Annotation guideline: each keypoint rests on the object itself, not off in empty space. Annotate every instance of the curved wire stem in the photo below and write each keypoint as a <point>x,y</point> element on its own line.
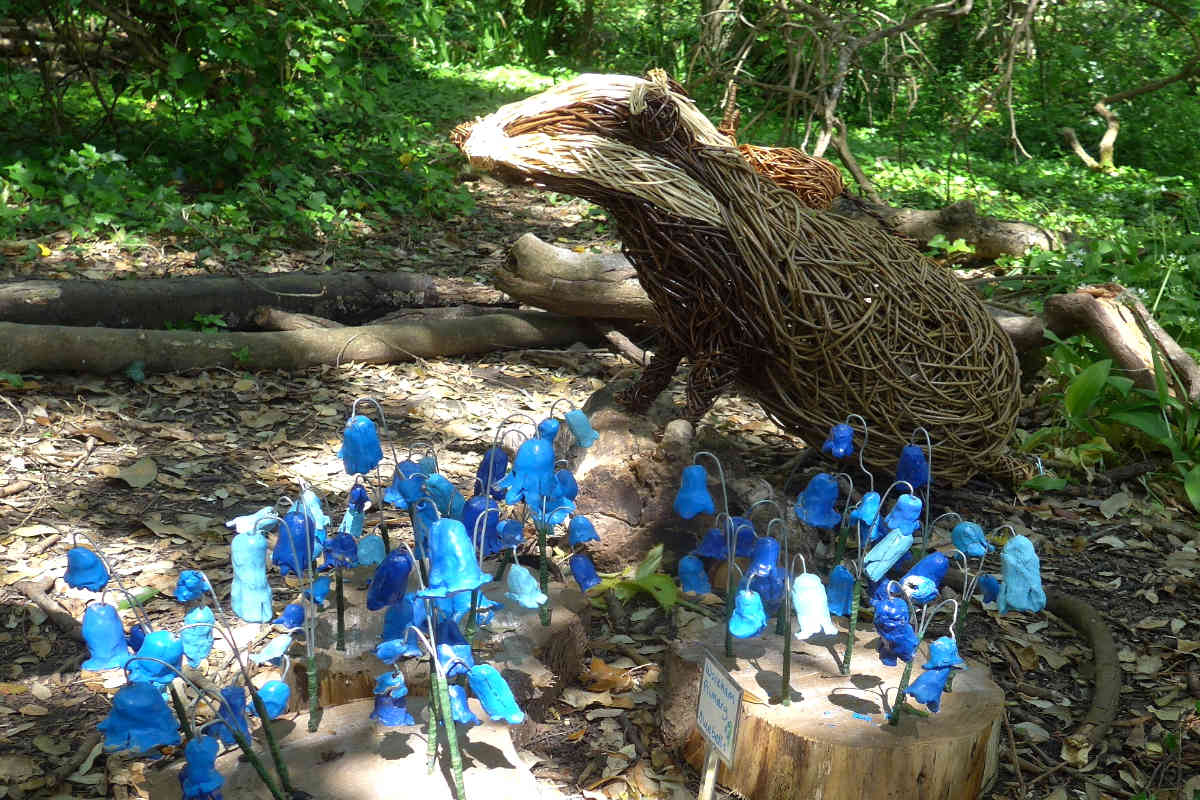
<point>866,440</point>
<point>926,533</point>
<point>134,604</point>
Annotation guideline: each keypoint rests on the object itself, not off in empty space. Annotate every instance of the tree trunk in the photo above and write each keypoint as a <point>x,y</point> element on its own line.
<point>349,296</point>
<point>54,348</point>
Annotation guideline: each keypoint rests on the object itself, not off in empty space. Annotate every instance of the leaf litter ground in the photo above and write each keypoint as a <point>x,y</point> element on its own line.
<point>151,470</point>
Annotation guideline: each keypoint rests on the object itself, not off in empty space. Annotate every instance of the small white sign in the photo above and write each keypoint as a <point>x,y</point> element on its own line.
<point>719,708</point>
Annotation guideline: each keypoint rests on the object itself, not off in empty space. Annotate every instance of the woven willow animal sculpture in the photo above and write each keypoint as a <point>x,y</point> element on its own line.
<point>814,315</point>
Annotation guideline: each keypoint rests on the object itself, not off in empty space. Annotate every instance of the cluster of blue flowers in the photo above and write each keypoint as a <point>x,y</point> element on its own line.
<point>902,587</point>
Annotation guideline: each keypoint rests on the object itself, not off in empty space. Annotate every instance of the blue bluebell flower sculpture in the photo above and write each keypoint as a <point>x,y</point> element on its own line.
<point>360,451</point>
<point>452,567</point>
<point>85,570</point>
<point>811,605</point>
<point>581,427</point>
<point>692,575</point>
<point>943,659</point>
<point>840,442</point>
<point>912,468</point>
<point>390,581</point>
<point>196,638</point>
<point>580,531</point>
<point>494,694</point>
<point>160,645</point>
<point>840,590</point>
<point>971,540</point>
<point>105,638</point>
<point>749,618</point>
<point>584,571</point>
<point>523,588</point>
<point>190,585</point>
<point>815,505</point>
<point>693,497</point>
<point>1021,589</point>
<point>139,720</point>
<point>390,701</point>
<point>896,634</point>
<point>199,779</point>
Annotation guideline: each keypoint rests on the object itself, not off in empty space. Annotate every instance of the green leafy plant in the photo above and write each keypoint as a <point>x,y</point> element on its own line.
<point>644,578</point>
<point>1103,414</point>
<point>204,323</point>
<point>241,355</point>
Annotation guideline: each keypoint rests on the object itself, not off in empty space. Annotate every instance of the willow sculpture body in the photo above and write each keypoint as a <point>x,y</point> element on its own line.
<point>814,315</point>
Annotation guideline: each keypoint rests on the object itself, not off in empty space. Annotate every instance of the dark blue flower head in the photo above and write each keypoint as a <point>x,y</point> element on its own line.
<point>454,651</point>
<point>581,530</point>
<point>341,551</point>
<point>912,467</point>
<point>491,470</point>
<point>390,580</point>
<point>232,714</point>
<point>840,442</point>
<point>199,778</point>
<point>815,505</point>
<point>509,533</point>
<point>548,429</point>
<point>296,545</point>
<point>292,616</point>
<point>532,476</point>
<point>360,451</point>
<point>693,497</point>
<point>584,571</point>
<point>358,497</point>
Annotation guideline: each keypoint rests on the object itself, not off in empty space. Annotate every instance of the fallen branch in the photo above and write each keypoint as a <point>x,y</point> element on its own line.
<point>606,287</point>
<point>346,296</point>
<point>54,348</point>
<point>1119,321</point>
<point>36,593</point>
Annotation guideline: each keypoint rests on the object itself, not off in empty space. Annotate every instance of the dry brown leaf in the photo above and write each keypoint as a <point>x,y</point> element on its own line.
<point>33,710</point>
<point>12,688</point>
<point>103,434</point>
<point>51,745</point>
<point>600,677</point>
<point>138,475</point>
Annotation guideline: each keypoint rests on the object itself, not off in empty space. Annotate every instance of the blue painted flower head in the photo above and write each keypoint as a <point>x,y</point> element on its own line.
<point>360,451</point>
<point>532,475</point>
<point>866,514</point>
<point>840,590</point>
<point>390,580</point>
<point>581,426</point>
<point>232,714</point>
<point>139,720</point>
<point>693,497</point>
<point>584,571</point>
<point>749,617</point>
<point>105,637</point>
<point>190,585</point>
<point>162,646</point>
<point>815,505</point>
<point>840,442</point>
<point>548,429</point>
<point>905,515</point>
<point>1021,588</point>
<point>199,779</point>
<point>811,605</point>
<point>912,467</point>
<point>358,497</point>
<point>296,545</point>
<point>341,551</point>
<point>452,565</point>
<point>764,556</point>
<point>970,538</point>
<point>692,575</point>
<point>491,470</point>
<point>494,694</point>
<point>480,516</point>
<point>581,530</point>
<point>85,570</point>
<point>523,588</point>
<point>509,533</point>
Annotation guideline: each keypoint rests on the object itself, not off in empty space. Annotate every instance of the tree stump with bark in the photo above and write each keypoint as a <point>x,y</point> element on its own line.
<point>834,739</point>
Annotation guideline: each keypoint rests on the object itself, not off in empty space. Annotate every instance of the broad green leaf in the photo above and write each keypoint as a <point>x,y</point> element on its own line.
<point>1085,388</point>
<point>651,563</point>
<point>1150,423</point>
<point>1121,384</point>
<point>1191,485</point>
<point>1045,483</point>
<point>662,587</point>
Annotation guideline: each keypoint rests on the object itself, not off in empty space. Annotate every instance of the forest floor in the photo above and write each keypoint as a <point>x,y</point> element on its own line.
<point>151,469</point>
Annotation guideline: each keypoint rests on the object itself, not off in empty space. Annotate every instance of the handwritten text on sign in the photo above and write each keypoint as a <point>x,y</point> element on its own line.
<point>718,709</point>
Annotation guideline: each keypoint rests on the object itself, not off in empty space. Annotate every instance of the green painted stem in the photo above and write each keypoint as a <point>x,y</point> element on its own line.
<point>840,550</point>
<point>851,627</point>
<point>181,712</point>
<point>786,698</point>
<point>543,574</point>
<point>257,763</point>
<point>431,730</point>
<point>314,695</point>
<point>383,534</point>
<point>900,703</point>
<point>728,613</point>
<point>341,612</point>
<point>471,628</point>
<point>272,742</point>
<point>456,767</point>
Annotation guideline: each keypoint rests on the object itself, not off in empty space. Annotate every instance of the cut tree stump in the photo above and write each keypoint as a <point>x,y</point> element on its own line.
<point>834,740</point>
<point>536,660</point>
<point>153,303</point>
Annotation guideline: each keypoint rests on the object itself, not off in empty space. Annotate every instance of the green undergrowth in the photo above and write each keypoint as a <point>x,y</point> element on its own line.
<point>312,170</point>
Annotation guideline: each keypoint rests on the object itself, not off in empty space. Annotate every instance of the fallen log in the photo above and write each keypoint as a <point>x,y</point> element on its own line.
<point>989,236</point>
<point>1119,321</point>
<point>605,286</point>
<point>343,296</point>
<point>56,348</point>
